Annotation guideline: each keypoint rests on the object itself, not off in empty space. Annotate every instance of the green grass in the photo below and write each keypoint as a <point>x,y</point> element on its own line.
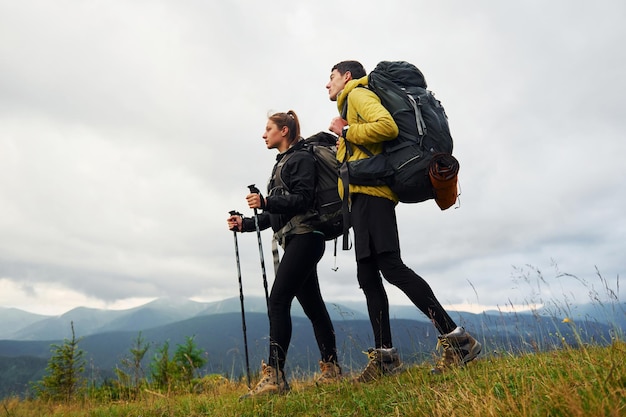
<point>575,379</point>
<point>581,381</point>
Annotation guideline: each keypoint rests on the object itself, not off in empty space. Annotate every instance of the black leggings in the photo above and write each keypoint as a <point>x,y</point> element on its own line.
<point>400,275</point>
<point>296,277</point>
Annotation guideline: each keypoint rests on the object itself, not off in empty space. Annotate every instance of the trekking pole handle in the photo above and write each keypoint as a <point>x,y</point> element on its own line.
<point>253,189</point>
<point>235,213</point>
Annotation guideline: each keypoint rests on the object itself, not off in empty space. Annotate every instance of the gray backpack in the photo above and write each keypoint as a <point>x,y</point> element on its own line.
<point>326,216</point>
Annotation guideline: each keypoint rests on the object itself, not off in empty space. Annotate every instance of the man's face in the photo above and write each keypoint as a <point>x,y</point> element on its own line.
<point>337,83</point>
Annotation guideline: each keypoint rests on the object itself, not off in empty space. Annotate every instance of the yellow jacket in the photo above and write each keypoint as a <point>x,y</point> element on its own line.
<point>370,125</point>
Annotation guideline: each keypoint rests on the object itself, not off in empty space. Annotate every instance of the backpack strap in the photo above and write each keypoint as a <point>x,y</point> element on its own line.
<point>297,225</point>
<point>419,119</point>
<point>345,203</point>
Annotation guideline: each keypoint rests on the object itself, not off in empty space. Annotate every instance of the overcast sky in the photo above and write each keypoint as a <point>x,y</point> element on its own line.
<point>129,129</point>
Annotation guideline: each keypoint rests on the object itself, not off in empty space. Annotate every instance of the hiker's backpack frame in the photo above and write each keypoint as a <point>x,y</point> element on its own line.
<point>424,141</point>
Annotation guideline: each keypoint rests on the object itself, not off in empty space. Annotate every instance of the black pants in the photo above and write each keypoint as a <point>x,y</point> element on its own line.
<point>377,250</point>
<point>296,277</point>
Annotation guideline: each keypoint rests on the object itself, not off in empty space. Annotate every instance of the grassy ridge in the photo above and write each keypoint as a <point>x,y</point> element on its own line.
<point>565,369</point>
<point>581,381</point>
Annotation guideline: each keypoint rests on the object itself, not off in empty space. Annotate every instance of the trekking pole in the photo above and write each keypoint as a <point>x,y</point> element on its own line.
<point>335,267</point>
<point>243,314</point>
<point>255,190</point>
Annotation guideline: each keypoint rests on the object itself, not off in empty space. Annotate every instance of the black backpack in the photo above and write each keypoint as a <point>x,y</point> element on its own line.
<point>327,216</point>
<point>328,204</point>
<point>422,153</point>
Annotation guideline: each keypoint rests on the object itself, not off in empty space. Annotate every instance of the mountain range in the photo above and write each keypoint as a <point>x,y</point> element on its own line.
<point>106,336</point>
<point>17,324</point>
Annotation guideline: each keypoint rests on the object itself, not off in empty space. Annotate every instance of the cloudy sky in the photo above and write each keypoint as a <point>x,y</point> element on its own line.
<point>129,129</point>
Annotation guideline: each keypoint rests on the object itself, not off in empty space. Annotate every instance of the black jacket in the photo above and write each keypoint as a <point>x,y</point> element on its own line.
<point>290,195</point>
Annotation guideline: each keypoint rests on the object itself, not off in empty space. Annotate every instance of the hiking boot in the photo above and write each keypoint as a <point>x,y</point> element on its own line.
<point>381,362</point>
<point>458,349</point>
<point>272,382</point>
<point>330,372</point>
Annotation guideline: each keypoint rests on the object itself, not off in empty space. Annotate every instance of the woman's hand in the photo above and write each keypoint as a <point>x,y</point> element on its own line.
<point>234,223</point>
<point>255,201</point>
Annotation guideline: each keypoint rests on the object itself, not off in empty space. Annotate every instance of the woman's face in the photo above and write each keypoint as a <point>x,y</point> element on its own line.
<point>274,137</point>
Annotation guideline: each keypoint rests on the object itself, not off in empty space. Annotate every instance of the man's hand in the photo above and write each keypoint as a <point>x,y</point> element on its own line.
<point>337,124</point>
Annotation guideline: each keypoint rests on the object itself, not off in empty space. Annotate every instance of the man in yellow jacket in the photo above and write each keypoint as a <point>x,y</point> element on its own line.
<point>367,123</point>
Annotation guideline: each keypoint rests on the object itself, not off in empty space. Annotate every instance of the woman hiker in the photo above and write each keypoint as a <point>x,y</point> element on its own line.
<point>287,209</point>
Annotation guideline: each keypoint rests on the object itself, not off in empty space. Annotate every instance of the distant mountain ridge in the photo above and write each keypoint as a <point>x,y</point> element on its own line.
<point>21,325</point>
<point>12,319</point>
<point>107,335</point>
<point>16,324</point>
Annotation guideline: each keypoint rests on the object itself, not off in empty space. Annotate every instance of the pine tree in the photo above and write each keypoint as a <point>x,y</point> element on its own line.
<point>64,378</point>
<point>131,375</point>
<point>163,369</point>
<point>189,358</point>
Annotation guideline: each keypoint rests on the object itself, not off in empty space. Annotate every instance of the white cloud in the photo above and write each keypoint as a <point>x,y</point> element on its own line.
<point>129,130</point>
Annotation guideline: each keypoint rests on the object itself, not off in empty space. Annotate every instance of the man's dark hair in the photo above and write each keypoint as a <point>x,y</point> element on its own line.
<point>355,68</point>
